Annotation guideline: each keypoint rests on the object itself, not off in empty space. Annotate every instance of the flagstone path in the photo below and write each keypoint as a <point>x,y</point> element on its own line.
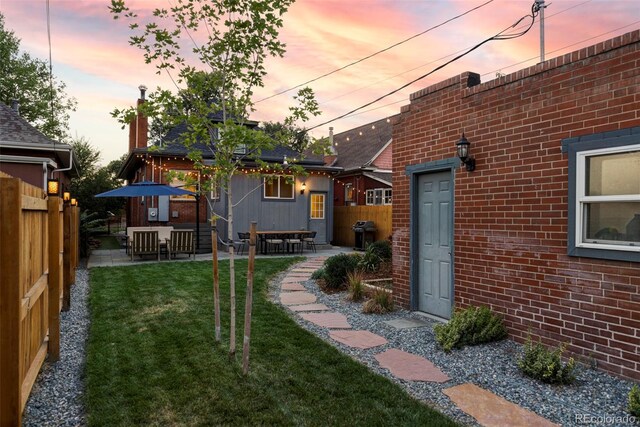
<point>487,408</point>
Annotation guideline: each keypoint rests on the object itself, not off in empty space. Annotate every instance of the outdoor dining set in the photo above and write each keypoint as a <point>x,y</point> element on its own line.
<point>275,241</point>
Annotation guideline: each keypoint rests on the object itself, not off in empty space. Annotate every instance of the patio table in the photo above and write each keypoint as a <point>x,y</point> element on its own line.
<point>287,234</point>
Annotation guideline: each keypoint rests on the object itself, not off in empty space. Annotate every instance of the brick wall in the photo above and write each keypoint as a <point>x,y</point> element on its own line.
<point>510,221</point>
<point>360,185</point>
<point>385,158</point>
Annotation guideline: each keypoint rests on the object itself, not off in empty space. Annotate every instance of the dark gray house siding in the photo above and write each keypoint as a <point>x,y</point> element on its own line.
<point>277,214</point>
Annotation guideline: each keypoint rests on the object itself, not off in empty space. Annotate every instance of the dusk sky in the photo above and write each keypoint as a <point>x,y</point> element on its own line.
<point>92,56</point>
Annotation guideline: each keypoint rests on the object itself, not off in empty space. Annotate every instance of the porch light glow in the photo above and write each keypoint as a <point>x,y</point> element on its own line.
<point>53,187</point>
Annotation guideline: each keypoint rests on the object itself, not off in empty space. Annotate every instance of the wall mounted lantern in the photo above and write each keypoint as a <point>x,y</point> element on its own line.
<point>303,187</point>
<point>53,187</point>
<point>463,148</point>
<point>74,202</point>
<point>66,196</point>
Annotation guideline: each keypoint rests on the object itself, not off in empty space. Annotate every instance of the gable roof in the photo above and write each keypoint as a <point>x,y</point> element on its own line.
<point>16,133</point>
<point>358,147</point>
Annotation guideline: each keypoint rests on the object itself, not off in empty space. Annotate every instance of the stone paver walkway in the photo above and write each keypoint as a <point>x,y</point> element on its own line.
<point>491,410</point>
<point>487,408</point>
<point>329,320</point>
<point>410,367</point>
<point>297,298</point>
<point>358,339</point>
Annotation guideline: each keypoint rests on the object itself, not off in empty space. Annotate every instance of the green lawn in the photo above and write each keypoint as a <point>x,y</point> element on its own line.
<point>152,359</point>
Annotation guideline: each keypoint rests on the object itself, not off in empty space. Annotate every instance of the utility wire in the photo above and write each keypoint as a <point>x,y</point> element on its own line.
<point>440,59</point>
<point>499,36</point>
<point>375,53</point>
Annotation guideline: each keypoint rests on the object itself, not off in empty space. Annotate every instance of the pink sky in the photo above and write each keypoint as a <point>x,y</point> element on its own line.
<point>92,56</point>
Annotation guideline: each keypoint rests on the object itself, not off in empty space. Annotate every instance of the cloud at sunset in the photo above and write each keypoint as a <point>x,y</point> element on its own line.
<point>92,55</point>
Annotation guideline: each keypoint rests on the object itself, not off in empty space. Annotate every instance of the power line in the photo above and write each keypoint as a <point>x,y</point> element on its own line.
<point>499,36</point>
<point>439,59</point>
<point>375,53</point>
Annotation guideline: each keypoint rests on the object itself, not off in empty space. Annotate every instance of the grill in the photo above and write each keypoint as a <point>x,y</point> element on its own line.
<point>365,232</point>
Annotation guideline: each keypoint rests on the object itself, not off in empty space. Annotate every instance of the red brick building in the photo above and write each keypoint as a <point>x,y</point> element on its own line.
<point>546,229</point>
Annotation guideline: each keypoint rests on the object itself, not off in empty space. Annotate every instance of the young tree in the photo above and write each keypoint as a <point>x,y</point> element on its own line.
<point>215,51</point>
<point>26,80</point>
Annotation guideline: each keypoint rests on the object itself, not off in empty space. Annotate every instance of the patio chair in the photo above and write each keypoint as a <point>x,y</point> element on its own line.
<point>145,243</point>
<point>242,242</point>
<point>181,242</point>
<point>275,242</point>
<point>310,240</point>
<point>291,241</point>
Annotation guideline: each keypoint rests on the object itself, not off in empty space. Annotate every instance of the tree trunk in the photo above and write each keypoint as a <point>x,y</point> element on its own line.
<point>249,300</point>
<point>232,275</point>
<point>216,282</point>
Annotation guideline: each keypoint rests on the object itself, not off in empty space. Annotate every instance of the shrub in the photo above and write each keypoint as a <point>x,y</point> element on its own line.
<point>546,365</point>
<point>634,401</point>
<point>370,260</point>
<point>382,248</point>
<point>356,288</point>
<point>381,302</point>
<point>318,274</point>
<point>474,325</point>
<point>337,267</point>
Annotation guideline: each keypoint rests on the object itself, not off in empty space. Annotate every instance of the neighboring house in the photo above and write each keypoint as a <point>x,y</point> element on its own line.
<point>364,155</point>
<point>276,204</point>
<point>28,154</point>
<point>546,230</point>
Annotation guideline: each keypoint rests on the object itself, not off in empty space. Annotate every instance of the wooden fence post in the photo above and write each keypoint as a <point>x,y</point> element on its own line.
<point>75,241</point>
<point>68,262</point>
<point>249,299</point>
<point>55,276</point>
<point>11,364</point>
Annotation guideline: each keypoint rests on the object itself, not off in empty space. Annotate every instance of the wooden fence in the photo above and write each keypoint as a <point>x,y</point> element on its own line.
<point>38,257</point>
<point>345,216</point>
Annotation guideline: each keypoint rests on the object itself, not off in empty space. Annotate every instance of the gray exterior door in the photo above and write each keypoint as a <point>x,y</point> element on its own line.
<point>318,215</point>
<point>435,285</point>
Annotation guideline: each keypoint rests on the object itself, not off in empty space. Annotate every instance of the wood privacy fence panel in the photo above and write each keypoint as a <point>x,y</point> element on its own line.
<point>345,216</point>
<point>31,287</point>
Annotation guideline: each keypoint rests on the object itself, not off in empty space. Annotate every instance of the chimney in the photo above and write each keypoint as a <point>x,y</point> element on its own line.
<point>139,126</point>
<point>330,159</point>
<point>15,106</point>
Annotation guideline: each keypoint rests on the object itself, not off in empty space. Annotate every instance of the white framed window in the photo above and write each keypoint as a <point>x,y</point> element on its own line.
<point>278,187</point>
<point>388,196</point>
<point>181,181</point>
<point>604,195</point>
<point>317,206</point>
<point>378,196</point>
<point>607,198</point>
<point>369,199</point>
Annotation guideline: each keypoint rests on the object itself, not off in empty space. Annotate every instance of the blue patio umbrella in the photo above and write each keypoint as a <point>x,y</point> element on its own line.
<point>145,188</point>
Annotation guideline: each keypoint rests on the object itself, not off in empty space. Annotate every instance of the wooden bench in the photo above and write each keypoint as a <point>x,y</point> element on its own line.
<point>145,243</point>
<point>181,242</point>
<point>164,233</point>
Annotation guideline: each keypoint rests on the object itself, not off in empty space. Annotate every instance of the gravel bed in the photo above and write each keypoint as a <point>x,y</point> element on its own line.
<point>595,396</point>
<point>57,395</point>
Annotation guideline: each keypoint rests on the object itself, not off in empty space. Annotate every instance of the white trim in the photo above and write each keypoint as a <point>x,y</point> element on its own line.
<point>6,158</point>
<point>278,197</point>
<point>582,199</point>
<point>324,205</point>
<point>378,179</point>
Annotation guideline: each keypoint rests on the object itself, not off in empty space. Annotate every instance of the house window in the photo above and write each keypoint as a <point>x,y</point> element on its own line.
<point>604,197</point>
<point>317,206</point>
<point>378,196</point>
<point>184,179</point>
<point>240,149</point>
<point>387,196</point>
<point>348,194</point>
<point>278,187</point>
